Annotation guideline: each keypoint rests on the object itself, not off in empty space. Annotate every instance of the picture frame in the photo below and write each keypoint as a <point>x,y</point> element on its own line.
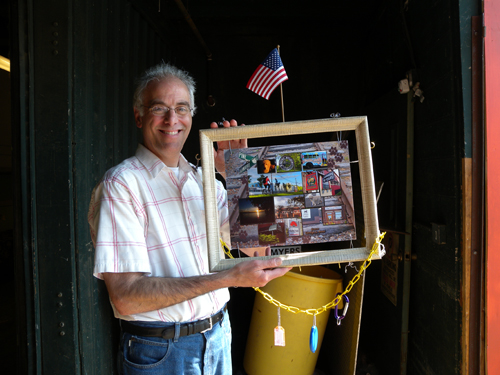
<point>359,125</point>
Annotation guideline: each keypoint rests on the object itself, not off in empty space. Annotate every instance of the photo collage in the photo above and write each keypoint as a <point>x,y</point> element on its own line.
<point>290,194</point>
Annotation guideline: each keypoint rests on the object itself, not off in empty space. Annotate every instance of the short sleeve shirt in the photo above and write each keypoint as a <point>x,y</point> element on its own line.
<point>145,219</point>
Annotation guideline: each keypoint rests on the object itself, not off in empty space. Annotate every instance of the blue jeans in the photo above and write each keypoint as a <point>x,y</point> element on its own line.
<point>207,353</point>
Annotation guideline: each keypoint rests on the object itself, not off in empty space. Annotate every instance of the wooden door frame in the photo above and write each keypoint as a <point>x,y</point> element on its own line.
<point>492,144</point>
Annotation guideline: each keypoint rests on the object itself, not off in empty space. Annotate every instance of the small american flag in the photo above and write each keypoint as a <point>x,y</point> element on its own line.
<point>268,75</point>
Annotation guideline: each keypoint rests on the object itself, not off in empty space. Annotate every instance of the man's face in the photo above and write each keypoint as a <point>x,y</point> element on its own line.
<point>165,135</point>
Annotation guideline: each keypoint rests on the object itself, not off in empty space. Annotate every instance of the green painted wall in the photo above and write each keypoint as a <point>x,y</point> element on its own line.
<point>438,33</point>
<point>75,67</point>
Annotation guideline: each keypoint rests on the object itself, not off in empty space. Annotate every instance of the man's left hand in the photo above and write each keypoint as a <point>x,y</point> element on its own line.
<point>220,163</point>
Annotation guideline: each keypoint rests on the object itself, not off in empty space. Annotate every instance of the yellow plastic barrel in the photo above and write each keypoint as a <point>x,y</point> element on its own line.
<point>308,288</point>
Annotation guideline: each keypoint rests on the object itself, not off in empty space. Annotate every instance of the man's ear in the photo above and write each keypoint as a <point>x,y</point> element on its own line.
<point>138,118</point>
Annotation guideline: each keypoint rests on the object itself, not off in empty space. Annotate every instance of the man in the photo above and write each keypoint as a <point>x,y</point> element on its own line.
<point>148,228</point>
<point>267,185</point>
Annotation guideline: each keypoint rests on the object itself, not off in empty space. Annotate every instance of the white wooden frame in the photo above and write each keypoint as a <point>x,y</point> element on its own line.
<point>359,125</point>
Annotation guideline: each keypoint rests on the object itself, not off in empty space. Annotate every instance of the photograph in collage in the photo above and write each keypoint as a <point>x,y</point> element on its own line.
<point>272,234</point>
<point>288,162</point>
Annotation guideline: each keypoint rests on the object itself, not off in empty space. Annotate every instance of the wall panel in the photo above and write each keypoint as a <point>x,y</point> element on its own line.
<point>80,59</point>
<point>112,47</point>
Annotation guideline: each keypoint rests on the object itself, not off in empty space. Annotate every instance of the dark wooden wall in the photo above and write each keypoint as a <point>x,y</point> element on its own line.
<point>433,48</point>
<point>439,149</point>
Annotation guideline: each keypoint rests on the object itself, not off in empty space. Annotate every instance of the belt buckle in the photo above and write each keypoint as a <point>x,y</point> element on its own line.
<point>209,328</point>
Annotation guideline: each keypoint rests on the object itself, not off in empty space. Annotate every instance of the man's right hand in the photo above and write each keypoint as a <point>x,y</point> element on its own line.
<point>256,273</point>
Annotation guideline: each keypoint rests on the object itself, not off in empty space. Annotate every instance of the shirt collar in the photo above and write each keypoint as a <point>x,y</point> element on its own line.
<point>154,165</point>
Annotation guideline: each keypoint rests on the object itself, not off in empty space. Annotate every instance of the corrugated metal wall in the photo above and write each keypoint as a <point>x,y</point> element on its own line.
<point>77,62</point>
<point>112,44</point>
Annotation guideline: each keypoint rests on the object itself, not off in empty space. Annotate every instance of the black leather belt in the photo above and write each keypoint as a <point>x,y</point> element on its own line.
<point>168,333</point>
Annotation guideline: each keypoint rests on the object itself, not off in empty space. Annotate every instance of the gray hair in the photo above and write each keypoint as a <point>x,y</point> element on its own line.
<point>159,72</point>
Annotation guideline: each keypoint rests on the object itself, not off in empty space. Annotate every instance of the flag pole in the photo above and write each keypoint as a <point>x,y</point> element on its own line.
<point>281,89</point>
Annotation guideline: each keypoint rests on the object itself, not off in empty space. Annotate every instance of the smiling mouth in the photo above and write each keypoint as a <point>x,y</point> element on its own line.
<point>170,133</point>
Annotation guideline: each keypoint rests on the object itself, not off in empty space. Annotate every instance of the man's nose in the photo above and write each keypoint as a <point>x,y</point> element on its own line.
<point>170,115</point>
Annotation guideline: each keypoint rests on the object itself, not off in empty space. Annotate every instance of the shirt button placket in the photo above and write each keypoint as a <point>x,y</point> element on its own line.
<point>190,222</point>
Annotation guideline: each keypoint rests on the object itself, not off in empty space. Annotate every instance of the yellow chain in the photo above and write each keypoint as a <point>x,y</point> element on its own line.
<point>329,305</point>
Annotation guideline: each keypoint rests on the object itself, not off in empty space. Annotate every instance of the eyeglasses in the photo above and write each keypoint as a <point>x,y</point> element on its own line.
<point>161,110</point>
